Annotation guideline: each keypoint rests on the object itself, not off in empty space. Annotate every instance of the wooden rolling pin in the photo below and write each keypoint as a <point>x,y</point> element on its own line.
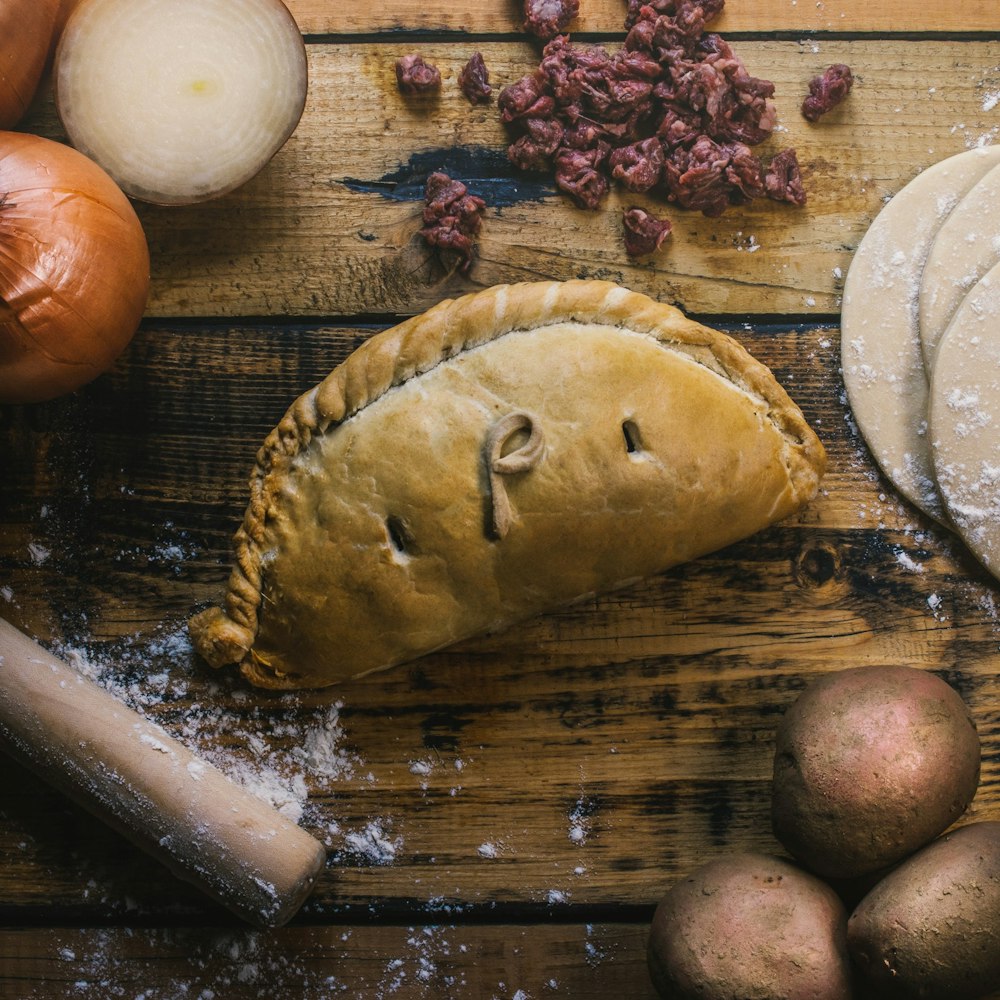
<point>132,774</point>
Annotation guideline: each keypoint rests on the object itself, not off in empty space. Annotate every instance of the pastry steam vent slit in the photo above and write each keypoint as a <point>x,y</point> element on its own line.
<point>399,537</point>
<point>632,441</point>
<point>504,457</point>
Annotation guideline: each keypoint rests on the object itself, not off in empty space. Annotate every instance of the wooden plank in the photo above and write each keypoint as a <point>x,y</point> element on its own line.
<point>309,237</point>
<point>587,961</point>
<point>581,760</point>
<point>502,816</point>
<point>606,17</point>
<point>157,454</point>
<point>446,960</point>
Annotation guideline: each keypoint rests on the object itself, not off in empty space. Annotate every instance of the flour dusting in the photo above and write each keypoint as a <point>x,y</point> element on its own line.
<point>224,726</point>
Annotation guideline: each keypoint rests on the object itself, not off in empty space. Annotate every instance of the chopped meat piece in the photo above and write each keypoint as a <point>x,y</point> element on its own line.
<point>474,80</point>
<point>534,150</point>
<point>827,91</point>
<point>452,217</point>
<point>677,36</point>
<point>584,134</point>
<point>673,108</point>
<point>711,176</point>
<point>783,179</point>
<point>526,99</point>
<point>548,18</point>
<point>678,126</point>
<point>639,64</point>
<point>641,34</point>
<point>745,175</point>
<point>644,233</point>
<point>415,76</point>
<point>710,8</point>
<point>638,166</point>
<point>742,109</point>
<point>558,70</point>
<point>578,173</point>
<point>696,177</point>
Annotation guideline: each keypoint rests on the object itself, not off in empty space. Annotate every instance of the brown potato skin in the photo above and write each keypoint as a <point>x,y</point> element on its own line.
<point>750,926</point>
<point>931,928</point>
<point>871,763</point>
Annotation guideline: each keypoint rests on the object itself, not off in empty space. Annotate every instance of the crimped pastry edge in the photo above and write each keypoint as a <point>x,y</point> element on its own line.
<point>224,635</point>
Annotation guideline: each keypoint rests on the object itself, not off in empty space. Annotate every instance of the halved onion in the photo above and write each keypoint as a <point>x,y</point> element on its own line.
<point>26,30</point>
<point>180,101</point>
<point>66,7</point>
<point>74,269</point>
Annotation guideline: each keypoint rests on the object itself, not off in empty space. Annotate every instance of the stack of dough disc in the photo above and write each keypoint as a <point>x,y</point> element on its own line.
<point>920,345</point>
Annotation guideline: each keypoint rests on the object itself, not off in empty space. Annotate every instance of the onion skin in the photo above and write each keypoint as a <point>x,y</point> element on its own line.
<point>27,28</point>
<point>74,269</point>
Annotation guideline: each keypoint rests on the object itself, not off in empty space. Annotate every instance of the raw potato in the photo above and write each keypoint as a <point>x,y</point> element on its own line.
<point>931,928</point>
<point>750,926</point>
<point>180,101</point>
<point>871,763</point>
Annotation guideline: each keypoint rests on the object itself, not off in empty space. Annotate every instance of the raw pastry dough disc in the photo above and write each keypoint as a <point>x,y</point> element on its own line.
<point>965,419</point>
<point>880,343</point>
<point>965,248</point>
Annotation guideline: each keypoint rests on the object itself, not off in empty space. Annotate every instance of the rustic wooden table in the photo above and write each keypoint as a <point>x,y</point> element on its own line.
<point>503,816</point>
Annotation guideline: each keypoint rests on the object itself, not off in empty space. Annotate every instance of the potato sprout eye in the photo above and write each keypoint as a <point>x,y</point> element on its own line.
<point>182,101</point>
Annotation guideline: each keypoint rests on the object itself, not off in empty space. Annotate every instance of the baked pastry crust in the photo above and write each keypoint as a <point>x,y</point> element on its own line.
<point>502,454</point>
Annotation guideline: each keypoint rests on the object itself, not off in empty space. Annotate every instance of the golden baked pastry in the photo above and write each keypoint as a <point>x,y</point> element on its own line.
<point>502,454</point>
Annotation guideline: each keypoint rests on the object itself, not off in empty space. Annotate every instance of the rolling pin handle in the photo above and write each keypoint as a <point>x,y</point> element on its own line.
<point>136,777</point>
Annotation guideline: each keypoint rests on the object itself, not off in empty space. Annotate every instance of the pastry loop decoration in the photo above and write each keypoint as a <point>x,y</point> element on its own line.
<point>498,464</point>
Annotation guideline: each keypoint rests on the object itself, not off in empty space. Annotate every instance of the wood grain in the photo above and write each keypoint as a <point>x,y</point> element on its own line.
<point>445,960</point>
<point>308,237</point>
<point>534,791</point>
<point>651,710</point>
<point>606,17</point>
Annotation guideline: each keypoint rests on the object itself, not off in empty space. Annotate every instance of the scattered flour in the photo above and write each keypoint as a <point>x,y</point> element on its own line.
<point>594,954</point>
<point>908,562</point>
<point>217,963</point>
<point>746,244</point>
<point>225,731</point>
<point>580,821</point>
<point>373,844</point>
<point>38,553</point>
<point>974,139</point>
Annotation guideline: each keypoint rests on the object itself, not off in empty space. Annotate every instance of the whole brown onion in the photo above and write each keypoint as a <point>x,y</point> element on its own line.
<point>27,28</point>
<point>74,269</point>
